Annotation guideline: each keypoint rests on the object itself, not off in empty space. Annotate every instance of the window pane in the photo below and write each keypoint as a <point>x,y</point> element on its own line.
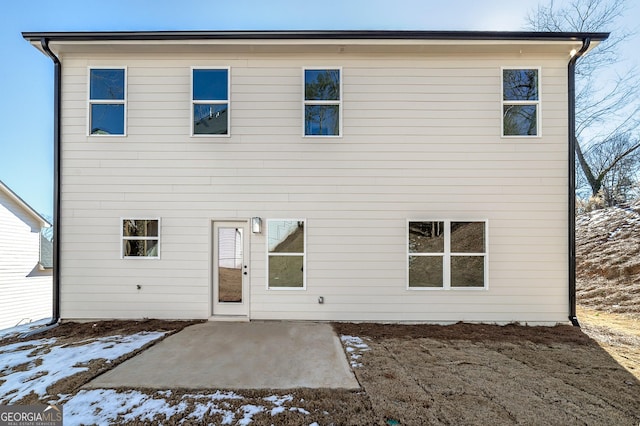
<point>210,119</point>
<point>106,84</point>
<point>322,85</point>
<point>425,271</point>
<point>107,119</point>
<point>520,85</point>
<point>286,236</point>
<point>426,237</point>
<point>322,120</point>
<point>467,271</point>
<point>467,237</point>
<point>520,120</point>
<point>286,271</point>
<point>140,228</point>
<point>230,258</point>
<point>210,85</point>
<point>140,248</point>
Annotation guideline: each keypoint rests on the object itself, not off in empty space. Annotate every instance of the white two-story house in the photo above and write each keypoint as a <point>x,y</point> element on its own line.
<point>315,175</point>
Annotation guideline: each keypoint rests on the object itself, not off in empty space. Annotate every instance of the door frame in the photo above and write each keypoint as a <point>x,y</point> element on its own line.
<point>226,310</point>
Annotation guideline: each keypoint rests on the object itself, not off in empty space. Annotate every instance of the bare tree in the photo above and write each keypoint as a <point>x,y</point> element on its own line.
<point>607,111</point>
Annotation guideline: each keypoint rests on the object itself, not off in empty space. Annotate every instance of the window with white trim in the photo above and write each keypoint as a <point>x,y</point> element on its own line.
<point>322,102</point>
<point>520,102</point>
<point>210,102</point>
<point>286,253</point>
<point>107,101</point>
<point>140,238</point>
<point>447,254</point>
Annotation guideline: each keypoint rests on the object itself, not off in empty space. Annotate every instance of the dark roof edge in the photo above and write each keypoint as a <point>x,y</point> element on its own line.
<point>312,35</point>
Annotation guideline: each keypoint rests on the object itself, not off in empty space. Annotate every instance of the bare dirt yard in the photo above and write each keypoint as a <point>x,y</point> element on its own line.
<point>409,374</point>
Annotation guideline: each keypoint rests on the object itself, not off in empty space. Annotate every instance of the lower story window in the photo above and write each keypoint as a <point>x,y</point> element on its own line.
<point>141,238</point>
<point>447,254</point>
<point>286,253</point>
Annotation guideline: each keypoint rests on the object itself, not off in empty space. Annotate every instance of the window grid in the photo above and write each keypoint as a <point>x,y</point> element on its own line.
<point>124,238</point>
<point>272,254</point>
<point>99,101</point>
<point>226,102</point>
<point>536,103</point>
<point>319,102</point>
<point>446,255</point>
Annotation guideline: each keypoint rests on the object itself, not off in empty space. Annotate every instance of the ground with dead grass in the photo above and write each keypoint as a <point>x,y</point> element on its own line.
<point>409,374</point>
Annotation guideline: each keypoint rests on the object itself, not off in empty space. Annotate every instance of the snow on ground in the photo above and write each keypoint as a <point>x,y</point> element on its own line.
<point>34,365</point>
<point>24,328</point>
<point>108,406</point>
<point>354,347</point>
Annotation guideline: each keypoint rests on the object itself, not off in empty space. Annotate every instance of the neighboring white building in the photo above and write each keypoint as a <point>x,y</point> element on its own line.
<point>332,175</point>
<point>25,277</point>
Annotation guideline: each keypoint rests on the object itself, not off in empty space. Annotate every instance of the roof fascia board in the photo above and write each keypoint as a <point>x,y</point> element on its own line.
<point>314,35</point>
<point>23,204</point>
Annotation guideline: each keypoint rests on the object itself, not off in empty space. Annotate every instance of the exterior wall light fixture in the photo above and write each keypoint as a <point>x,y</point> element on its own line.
<point>256,225</point>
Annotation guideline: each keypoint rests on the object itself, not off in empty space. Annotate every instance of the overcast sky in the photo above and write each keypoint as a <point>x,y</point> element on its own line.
<point>26,77</point>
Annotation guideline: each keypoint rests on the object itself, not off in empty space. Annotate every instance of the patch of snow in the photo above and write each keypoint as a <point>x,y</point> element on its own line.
<point>278,400</point>
<point>250,410</point>
<point>48,363</point>
<point>354,347</point>
<point>23,328</point>
<point>104,406</point>
<point>314,424</point>
<point>277,410</point>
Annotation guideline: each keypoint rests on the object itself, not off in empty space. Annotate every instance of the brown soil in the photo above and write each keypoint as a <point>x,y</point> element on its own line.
<point>617,334</point>
<point>426,374</point>
<point>608,260</point>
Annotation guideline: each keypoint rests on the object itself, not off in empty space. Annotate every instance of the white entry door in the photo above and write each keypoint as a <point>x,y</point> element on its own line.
<point>230,269</point>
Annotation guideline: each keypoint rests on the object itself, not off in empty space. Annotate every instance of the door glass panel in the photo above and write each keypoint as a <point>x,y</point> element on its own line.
<point>230,265</point>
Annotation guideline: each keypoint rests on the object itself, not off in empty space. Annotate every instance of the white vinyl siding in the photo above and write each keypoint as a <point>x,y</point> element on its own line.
<point>25,290</point>
<point>421,139</point>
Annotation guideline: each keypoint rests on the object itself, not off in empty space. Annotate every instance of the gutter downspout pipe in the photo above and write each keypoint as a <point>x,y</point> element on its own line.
<point>572,180</point>
<point>57,78</point>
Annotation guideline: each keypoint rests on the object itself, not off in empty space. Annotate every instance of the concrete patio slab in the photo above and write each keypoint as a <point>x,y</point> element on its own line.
<point>224,355</point>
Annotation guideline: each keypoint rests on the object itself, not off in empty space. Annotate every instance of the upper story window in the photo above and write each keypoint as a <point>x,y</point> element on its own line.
<point>210,98</point>
<point>521,102</point>
<point>107,100</point>
<point>322,102</point>
<point>447,254</point>
<point>141,238</point>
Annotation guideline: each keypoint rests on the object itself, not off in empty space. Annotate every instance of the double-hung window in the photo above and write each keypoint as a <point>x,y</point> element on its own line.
<point>322,102</point>
<point>140,238</point>
<point>210,102</point>
<point>107,101</point>
<point>521,102</point>
<point>447,254</point>
<point>286,253</point>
